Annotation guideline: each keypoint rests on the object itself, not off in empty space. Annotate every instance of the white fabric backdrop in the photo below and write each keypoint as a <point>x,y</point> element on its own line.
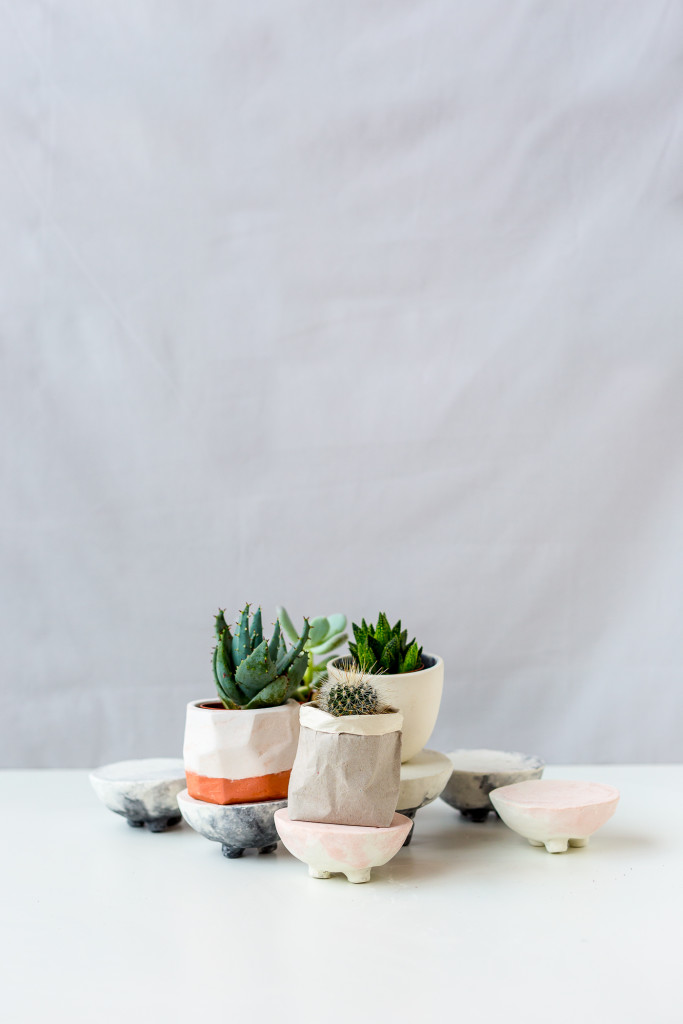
<point>354,306</point>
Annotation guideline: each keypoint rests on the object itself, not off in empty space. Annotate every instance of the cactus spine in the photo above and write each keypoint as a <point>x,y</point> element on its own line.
<point>353,695</point>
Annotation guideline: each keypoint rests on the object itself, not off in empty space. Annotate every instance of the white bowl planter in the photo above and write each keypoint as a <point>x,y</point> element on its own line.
<point>242,756</point>
<point>554,813</point>
<point>352,850</point>
<point>417,695</point>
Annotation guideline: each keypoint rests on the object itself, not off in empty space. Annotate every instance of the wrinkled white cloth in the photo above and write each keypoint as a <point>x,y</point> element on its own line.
<point>354,307</point>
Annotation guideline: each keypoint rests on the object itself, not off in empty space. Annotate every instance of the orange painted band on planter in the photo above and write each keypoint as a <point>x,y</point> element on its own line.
<point>238,791</point>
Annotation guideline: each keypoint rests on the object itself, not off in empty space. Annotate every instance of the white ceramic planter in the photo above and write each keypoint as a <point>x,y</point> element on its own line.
<point>555,813</point>
<point>352,850</point>
<point>417,695</point>
<point>239,756</point>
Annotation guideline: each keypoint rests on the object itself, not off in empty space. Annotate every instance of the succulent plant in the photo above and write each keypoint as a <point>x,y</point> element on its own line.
<point>352,695</point>
<point>325,636</point>
<point>252,672</point>
<point>384,648</point>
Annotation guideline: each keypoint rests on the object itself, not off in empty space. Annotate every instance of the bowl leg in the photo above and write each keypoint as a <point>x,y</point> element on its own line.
<point>161,824</point>
<point>556,845</point>
<point>231,851</point>
<point>578,842</point>
<point>271,848</point>
<point>317,873</point>
<point>476,814</point>
<point>358,876</point>
<point>135,824</point>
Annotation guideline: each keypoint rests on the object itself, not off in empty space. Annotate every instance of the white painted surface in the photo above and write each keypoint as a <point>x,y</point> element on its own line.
<point>344,305</point>
<point>104,923</point>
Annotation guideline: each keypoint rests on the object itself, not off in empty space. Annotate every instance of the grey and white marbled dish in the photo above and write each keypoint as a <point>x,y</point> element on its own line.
<point>477,772</point>
<point>422,780</point>
<point>237,827</point>
<point>144,791</point>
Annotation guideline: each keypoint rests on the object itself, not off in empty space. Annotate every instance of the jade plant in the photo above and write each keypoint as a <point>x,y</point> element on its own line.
<point>350,695</point>
<point>325,636</point>
<point>253,672</point>
<point>384,648</point>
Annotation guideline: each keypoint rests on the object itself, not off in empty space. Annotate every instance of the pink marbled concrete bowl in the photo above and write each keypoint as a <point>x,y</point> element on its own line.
<point>352,850</point>
<point>555,813</point>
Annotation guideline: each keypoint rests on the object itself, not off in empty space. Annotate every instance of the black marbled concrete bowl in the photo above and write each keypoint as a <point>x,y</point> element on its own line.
<point>237,827</point>
<point>477,772</point>
<point>144,792</point>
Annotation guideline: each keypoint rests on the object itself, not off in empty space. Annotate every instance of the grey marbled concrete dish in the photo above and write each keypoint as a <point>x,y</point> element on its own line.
<point>144,791</point>
<point>477,772</point>
<point>237,827</point>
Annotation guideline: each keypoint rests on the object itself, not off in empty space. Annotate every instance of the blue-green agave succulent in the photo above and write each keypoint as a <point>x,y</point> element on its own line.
<point>252,672</point>
<point>325,636</point>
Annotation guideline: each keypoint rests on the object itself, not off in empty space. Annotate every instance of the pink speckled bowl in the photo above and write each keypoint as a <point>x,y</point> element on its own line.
<point>351,850</point>
<point>555,813</point>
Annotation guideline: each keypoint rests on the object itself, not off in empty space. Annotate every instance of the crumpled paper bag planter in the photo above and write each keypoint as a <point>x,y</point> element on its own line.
<point>144,791</point>
<point>347,769</point>
<point>555,813</point>
<point>351,850</point>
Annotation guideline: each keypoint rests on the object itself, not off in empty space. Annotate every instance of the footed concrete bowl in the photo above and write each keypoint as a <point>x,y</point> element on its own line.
<point>351,850</point>
<point>237,827</point>
<point>144,791</point>
<point>422,780</point>
<point>477,772</point>
<point>556,814</point>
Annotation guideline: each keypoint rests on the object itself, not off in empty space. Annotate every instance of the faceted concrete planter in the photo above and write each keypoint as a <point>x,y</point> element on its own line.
<point>476,772</point>
<point>351,850</point>
<point>144,791</point>
<point>417,695</point>
<point>237,827</point>
<point>422,780</point>
<point>554,813</point>
<point>237,757</point>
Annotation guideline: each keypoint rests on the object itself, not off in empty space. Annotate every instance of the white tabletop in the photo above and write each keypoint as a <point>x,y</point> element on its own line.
<point>103,923</point>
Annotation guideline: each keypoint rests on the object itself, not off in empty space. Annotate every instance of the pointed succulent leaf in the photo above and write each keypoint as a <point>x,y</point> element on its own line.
<point>383,631</point>
<point>225,682</point>
<point>411,659</point>
<point>225,642</point>
<point>376,648</point>
<point>364,656</point>
<point>318,631</point>
<point>240,642</point>
<point>272,695</point>
<point>220,623</point>
<point>287,623</point>
<point>274,644</point>
<point>284,663</point>
<point>329,644</point>
<point>337,623</point>
<point>256,630</point>
<point>256,671</point>
<point>390,655</point>
<point>296,672</point>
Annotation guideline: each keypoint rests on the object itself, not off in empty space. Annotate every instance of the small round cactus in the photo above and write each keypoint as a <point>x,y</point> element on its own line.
<point>353,695</point>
